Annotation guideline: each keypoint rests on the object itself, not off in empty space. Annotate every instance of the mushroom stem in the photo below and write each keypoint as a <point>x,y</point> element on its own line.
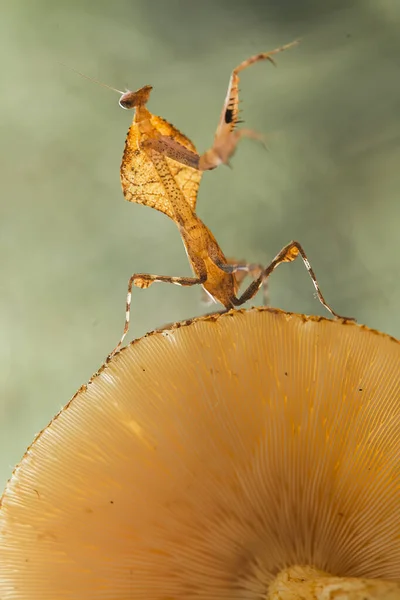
<point>308,583</point>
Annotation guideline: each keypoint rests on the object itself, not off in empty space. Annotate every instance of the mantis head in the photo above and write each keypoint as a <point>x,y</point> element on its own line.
<point>133,99</point>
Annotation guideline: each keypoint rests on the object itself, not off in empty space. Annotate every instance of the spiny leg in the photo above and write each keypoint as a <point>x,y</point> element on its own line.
<point>143,281</point>
<point>226,138</point>
<point>224,141</point>
<point>288,254</point>
<point>170,148</point>
<point>230,110</point>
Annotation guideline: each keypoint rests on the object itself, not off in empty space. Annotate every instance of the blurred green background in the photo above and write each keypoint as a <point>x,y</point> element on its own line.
<point>69,241</point>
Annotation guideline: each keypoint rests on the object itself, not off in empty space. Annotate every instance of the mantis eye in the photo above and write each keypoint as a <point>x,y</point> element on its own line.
<point>133,99</point>
<point>126,100</point>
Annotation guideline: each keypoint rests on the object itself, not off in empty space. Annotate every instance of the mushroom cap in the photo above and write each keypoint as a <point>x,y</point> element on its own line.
<point>205,458</point>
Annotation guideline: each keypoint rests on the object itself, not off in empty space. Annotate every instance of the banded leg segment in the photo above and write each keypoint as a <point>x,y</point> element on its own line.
<point>230,110</point>
<point>226,139</point>
<point>143,281</point>
<point>288,254</point>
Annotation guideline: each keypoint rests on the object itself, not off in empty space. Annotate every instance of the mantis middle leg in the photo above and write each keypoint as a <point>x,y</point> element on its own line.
<point>145,280</point>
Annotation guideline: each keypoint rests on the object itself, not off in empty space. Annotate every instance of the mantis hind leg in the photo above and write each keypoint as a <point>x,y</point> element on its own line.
<point>241,269</point>
<point>288,254</point>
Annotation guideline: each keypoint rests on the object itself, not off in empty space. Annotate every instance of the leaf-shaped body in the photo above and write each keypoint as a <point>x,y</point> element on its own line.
<point>139,177</point>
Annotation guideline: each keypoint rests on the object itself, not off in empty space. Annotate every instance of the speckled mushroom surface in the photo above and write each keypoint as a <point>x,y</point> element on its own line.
<point>205,459</point>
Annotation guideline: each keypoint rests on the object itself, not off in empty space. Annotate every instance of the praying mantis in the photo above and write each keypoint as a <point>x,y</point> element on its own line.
<point>162,169</point>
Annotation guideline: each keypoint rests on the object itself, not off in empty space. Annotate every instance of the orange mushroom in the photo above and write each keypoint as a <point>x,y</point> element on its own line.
<point>250,455</point>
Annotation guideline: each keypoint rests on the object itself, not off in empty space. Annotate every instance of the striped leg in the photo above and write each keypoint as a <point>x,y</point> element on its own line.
<point>288,254</point>
<point>143,281</point>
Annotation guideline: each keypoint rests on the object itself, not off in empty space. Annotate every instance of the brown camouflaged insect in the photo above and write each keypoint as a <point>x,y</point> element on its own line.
<point>162,169</point>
